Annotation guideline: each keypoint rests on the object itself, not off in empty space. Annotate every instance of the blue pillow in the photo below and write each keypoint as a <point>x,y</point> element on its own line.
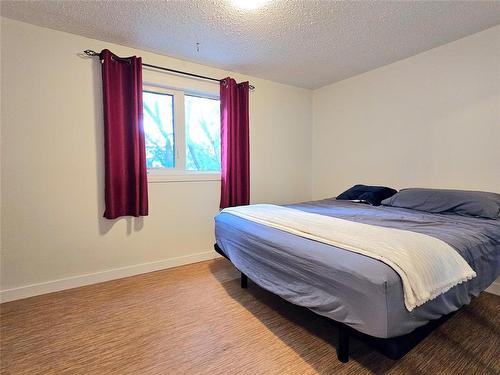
<point>460,202</point>
<point>367,194</point>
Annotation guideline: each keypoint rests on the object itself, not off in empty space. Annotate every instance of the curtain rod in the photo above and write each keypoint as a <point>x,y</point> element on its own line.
<point>92,53</point>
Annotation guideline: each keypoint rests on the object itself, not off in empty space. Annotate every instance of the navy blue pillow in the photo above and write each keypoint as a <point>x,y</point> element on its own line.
<point>367,194</point>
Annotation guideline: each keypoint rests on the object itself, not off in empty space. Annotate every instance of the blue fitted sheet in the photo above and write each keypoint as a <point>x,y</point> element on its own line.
<point>359,291</point>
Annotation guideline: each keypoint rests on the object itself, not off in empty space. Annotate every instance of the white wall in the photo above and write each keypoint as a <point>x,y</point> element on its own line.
<point>52,173</point>
<point>432,120</point>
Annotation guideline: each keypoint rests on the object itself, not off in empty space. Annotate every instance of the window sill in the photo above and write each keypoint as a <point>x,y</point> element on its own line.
<point>183,177</point>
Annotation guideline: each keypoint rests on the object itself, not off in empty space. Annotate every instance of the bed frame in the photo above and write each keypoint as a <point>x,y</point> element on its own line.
<point>393,347</point>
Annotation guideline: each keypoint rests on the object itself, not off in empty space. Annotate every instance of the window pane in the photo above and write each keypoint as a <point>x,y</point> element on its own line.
<point>202,134</point>
<point>159,129</point>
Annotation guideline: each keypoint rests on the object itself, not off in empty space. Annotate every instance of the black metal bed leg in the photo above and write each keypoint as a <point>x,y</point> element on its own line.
<point>244,281</point>
<point>343,345</point>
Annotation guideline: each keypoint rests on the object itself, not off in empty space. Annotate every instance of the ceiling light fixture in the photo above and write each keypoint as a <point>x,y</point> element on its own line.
<point>249,4</point>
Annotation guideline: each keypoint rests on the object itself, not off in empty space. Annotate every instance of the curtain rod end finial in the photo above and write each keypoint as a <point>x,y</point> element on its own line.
<point>90,53</point>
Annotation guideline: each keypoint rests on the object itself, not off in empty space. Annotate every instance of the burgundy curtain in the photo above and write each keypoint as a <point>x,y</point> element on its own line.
<point>126,189</point>
<point>235,148</point>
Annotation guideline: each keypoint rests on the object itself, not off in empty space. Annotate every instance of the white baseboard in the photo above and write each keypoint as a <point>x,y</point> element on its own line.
<point>494,288</point>
<point>118,273</point>
<point>99,277</point>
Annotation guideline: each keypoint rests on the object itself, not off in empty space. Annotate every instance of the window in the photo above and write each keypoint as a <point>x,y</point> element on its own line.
<point>159,129</point>
<point>182,135</point>
<point>202,133</point>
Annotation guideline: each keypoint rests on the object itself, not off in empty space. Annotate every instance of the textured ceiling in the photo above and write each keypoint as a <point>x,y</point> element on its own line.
<point>303,43</point>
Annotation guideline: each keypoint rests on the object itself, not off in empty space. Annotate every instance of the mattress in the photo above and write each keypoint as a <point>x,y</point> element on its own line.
<point>359,291</point>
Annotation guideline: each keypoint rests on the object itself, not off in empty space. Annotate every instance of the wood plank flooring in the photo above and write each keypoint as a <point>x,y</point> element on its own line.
<point>195,319</point>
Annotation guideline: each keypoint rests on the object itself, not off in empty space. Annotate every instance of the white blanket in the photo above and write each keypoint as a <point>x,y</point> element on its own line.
<point>427,266</point>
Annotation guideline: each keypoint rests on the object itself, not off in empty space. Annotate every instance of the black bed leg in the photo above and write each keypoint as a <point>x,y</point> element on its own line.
<point>244,281</point>
<point>343,345</point>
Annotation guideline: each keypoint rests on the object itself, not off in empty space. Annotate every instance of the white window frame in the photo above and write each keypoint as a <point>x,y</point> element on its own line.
<point>179,173</point>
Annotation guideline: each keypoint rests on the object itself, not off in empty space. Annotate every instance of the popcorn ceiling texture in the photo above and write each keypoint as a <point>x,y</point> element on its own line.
<point>303,43</point>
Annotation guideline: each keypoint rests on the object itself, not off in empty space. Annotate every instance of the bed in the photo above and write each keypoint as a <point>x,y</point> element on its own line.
<point>362,294</point>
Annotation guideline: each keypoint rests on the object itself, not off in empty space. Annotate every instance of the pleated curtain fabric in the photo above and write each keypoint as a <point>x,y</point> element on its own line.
<point>235,143</point>
<point>126,189</point>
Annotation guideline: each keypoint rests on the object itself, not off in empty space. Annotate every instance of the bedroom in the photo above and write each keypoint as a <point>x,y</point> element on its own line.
<point>403,95</point>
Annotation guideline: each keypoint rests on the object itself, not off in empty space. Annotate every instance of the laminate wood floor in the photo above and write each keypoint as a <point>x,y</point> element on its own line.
<point>195,319</point>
